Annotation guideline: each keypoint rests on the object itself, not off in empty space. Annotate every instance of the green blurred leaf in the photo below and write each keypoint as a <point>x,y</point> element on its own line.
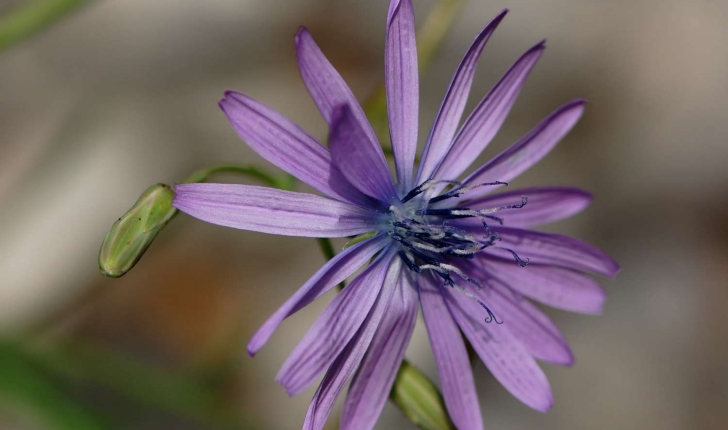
<point>419,399</point>
<point>174,392</point>
<point>32,17</point>
<point>27,389</point>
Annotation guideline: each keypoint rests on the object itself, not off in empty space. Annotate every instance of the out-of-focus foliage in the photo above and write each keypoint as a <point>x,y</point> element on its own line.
<point>33,17</point>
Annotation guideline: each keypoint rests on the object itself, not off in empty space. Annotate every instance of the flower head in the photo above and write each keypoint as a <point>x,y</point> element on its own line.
<point>444,244</point>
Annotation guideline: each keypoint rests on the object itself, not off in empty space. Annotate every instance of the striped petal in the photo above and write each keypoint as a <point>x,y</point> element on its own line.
<point>554,250</point>
<point>336,326</point>
<point>487,118</point>
<point>333,272</point>
<point>543,205</point>
<point>448,118</point>
<point>523,154</point>
<point>362,163</point>
<point>269,210</point>
<point>327,88</point>
<point>373,381</point>
<point>542,340</point>
<point>283,143</point>
<point>502,352</point>
<point>402,87</point>
<point>553,286</point>
<point>451,357</point>
<point>346,363</point>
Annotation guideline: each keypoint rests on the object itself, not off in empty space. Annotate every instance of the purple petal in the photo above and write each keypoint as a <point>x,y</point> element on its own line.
<point>542,340</point>
<point>371,386</point>
<point>346,363</point>
<point>453,364</point>
<point>502,352</point>
<point>273,211</point>
<point>523,154</point>
<point>487,118</point>
<point>333,272</point>
<point>544,205</point>
<point>448,118</point>
<point>362,163</point>
<point>552,286</point>
<point>554,250</point>
<point>328,90</point>
<point>402,87</point>
<point>283,143</point>
<point>336,326</point>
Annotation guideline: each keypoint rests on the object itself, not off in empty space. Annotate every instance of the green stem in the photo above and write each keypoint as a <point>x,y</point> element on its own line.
<point>29,19</point>
<point>326,247</point>
<point>203,174</point>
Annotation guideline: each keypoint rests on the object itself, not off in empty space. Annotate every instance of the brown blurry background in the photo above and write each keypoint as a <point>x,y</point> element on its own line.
<point>123,93</point>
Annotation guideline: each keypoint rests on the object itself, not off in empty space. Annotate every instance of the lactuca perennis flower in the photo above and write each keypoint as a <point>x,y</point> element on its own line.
<point>440,244</point>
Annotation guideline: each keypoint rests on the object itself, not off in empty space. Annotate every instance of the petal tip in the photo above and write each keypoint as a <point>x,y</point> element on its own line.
<point>571,360</point>
<point>615,269</point>
<point>302,32</point>
<point>498,18</point>
<point>252,348</point>
<point>546,406</point>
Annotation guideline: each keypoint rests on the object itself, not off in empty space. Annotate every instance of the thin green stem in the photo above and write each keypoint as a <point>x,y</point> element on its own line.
<point>30,18</point>
<point>326,247</point>
<point>202,175</point>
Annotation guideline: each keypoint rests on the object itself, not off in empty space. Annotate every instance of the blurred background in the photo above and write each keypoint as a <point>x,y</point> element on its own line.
<point>122,94</point>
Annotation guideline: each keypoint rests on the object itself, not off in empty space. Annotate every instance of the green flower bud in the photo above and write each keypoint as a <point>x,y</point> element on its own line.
<point>132,234</point>
<point>419,399</point>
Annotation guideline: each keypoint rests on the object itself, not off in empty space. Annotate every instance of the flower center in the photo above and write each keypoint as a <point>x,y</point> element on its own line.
<point>429,242</point>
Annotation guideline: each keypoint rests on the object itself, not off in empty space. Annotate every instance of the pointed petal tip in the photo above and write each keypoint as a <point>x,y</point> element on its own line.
<point>228,95</point>
<point>546,406</point>
<point>302,32</point>
<point>498,18</point>
<point>222,104</point>
<point>537,48</point>
<point>571,359</point>
<point>612,268</point>
<point>615,271</point>
<point>252,349</point>
<point>394,7</point>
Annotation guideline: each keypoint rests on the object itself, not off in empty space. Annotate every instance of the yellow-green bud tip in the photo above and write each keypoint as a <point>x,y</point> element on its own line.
<point>132,234</point>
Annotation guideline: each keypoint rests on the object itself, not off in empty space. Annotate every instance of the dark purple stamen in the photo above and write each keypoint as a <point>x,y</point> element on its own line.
<point>463,189</point>
<point>424,234</point>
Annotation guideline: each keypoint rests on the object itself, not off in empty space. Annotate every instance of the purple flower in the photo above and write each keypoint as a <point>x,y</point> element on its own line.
<point>445,246</point>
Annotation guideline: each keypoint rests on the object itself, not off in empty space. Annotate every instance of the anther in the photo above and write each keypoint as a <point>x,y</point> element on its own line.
<point>519,260</point>
<point>462,190</point>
